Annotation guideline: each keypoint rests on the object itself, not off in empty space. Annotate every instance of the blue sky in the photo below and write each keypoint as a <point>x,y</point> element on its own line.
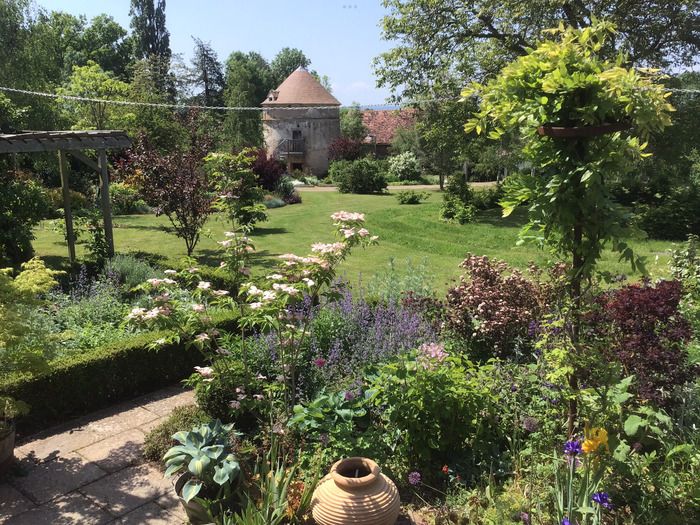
<point>341,37</point>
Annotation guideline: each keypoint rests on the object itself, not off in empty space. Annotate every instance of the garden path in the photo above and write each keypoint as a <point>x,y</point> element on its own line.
<point>92,471</point>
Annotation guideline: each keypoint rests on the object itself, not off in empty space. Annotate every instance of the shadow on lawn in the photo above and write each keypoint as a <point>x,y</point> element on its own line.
<point>262,232</point>
<point>260,259</point>
<point>495,218</point>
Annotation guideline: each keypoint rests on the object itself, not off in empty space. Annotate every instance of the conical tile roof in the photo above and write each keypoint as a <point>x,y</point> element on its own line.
<point>300,89</point>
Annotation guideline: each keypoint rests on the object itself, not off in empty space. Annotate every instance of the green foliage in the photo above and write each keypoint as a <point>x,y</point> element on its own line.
<point>351,125</point>
<point>286,61</point>
<point>411,196</point>
<point>454,210</point>
<point>392,284</point>
<point>23,204</point>
<point>240,197</point>
<point>358,176</point>
<point>125,200</point>
<point>78,201</point>
<point>151,37</point>
<point>92,81</point>
<point>129,270</point>
<point>564,82</point>
<point>160,439</point>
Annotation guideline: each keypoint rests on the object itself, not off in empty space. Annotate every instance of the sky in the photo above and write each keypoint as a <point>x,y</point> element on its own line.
<point>340,37</point>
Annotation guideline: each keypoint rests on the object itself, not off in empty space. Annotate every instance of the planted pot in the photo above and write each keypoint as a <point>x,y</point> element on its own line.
<point>195,511</point>
<point>578,132</point>
<point>355,491</point>
<point>7,446</point>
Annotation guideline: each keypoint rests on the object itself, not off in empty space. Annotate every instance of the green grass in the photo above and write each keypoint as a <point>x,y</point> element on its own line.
<point>405,231</point>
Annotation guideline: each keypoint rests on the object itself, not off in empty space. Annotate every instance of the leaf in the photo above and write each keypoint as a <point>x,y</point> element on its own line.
<point>632,424</point>
<point>198,465</point>
<point>544,100</point>
<point>191,489</point>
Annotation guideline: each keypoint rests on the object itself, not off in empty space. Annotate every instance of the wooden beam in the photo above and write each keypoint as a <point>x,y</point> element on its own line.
<point>65,188</point>
<point>106,204</point>
<point>16,145</point>
<point>85,160</point>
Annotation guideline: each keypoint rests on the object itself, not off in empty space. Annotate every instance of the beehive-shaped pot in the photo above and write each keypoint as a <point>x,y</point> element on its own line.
<point>355,491</point>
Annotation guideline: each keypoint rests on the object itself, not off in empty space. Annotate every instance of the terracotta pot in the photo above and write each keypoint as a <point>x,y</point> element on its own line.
<point>7,447</point>
<point>578,132</point>
<point>355,491</point>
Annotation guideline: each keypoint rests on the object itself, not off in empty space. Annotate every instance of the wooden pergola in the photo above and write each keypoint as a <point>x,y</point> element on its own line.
<point>73,142</point>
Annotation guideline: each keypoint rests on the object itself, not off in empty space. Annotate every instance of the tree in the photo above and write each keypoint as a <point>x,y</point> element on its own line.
<point>440,38</point>
<point>285,63</point>
<point>207,74</point>
<point>107,43</point>
<point>91,82</point>
<point>564,81</point>
<point>351,125</point>
<point>148,24</point>
<point>176,184</point>
<point>248,80</point>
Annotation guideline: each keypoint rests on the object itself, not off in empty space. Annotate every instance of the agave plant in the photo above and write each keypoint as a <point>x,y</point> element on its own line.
<point>206,455</point>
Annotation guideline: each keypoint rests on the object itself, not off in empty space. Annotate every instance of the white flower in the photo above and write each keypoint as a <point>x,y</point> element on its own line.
<point>160,342</point>
<point>348,232</point>
<point>254,290</point>
<point>204,371</point>
<point>226,244</point>
<point>136,313</point>
<point>275,277</point>
<point>220,293</point>
<point>269,295</point>
<point>285,288</point>
<point>334,248</point>
<point>309,282</point>
<point>222,264</point>
<point>169,281</point>
<point>230,234</point>
<point>193,269</point>
<point>258,397</point>
<point>255,306</point>
<point>202,337</point>
<point>155,282</point>
<point>198,308</point>
<point>362,232</point>
<point>170,272</point>
<point>346,216</point>
<point>204,285</point>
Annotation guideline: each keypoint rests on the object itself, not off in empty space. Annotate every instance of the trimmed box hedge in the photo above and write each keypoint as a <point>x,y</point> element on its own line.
<point>100,377</point>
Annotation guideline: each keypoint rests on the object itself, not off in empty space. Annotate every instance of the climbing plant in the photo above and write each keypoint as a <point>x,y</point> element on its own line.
<point>564,82</point>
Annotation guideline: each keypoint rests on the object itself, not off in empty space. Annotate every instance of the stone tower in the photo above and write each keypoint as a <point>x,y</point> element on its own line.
<point>295,130</point>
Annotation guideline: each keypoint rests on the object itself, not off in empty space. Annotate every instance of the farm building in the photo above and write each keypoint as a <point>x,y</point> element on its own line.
<point>382,126</point>
<point>297,131</point>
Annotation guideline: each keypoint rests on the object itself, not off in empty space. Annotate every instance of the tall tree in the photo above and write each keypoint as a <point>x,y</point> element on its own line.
<point>285,62</point>
<point>248,81</point>
<point>207,74</point>
<point>148,23</point>
<point>441,38</point>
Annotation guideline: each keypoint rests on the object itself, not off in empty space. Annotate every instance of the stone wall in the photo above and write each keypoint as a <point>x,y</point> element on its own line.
<point>318,127</point>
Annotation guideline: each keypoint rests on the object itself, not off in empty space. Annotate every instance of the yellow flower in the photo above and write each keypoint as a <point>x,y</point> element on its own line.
<point>595,438</point>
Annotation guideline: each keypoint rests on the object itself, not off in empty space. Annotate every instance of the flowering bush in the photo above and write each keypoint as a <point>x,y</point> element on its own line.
<point>494,306</point>
<point>404,166</point>
<point>344,148</point>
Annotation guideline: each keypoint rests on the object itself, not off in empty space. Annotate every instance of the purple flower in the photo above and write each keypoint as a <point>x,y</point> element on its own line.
<point>565,521</point>
<point>573,448</point>
<point>602,499</point>
<point>414,478</point>
<point>525,517</point>
<point>349,396</point>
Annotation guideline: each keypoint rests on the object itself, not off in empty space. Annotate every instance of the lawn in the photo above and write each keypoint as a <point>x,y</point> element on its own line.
<point>406,232</point>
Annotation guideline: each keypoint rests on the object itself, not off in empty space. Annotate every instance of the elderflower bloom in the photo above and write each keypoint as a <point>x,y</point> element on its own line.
<point>204,285</point>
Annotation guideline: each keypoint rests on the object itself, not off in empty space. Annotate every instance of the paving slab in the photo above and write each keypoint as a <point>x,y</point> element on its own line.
<point>66,510</point>
<point>116,452</point>
<point>115,421</point>
<point>152,514</point>
<point>13,502</point>
<point>163,402</point>
<point>50,445</point>
<point>128,489</point>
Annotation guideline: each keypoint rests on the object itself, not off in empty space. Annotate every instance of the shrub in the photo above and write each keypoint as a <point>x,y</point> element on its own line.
<point>273,202</point>
<point>344,148</point>
<point>454,210</point>
<point>404,166</point>
<point>159,440</point>
<point>494,306</point>
<point>125,200</point>
<point>78,201</point>
<point>412,196</point>
<point>359,176</point>
<point>487,198</point>
<point>268,170</point>
<point>647,334</point>
<point>22,205</point>
<point>286,191</point>
<point>129,270</point>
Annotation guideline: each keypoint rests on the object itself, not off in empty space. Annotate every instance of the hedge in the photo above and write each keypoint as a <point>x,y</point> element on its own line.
<point>100,377</point>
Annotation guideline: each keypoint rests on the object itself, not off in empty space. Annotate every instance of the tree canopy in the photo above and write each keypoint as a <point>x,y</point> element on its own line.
<point>148,23</point>
<point>439,40</point>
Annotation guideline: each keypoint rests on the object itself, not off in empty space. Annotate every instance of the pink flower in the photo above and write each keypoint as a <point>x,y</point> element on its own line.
<point>202,337</point>
<point>362,232</point>
<point>235,405</point>
<point>434,351</point>
<point>226,244</point>
<point>255,306</point>
<point>243,270</point>
<point>320,362</point>
<point>198,308</point>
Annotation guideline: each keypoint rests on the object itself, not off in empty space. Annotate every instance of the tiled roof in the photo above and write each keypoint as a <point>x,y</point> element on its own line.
<point>382,124</point>
<point>300,89</point>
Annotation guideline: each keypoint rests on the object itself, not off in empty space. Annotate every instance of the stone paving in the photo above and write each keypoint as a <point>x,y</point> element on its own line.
<point>92,470</point>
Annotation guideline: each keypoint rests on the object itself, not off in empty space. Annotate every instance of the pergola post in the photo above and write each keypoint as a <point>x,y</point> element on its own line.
<point>65,189</point>
<point>106,204</point>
